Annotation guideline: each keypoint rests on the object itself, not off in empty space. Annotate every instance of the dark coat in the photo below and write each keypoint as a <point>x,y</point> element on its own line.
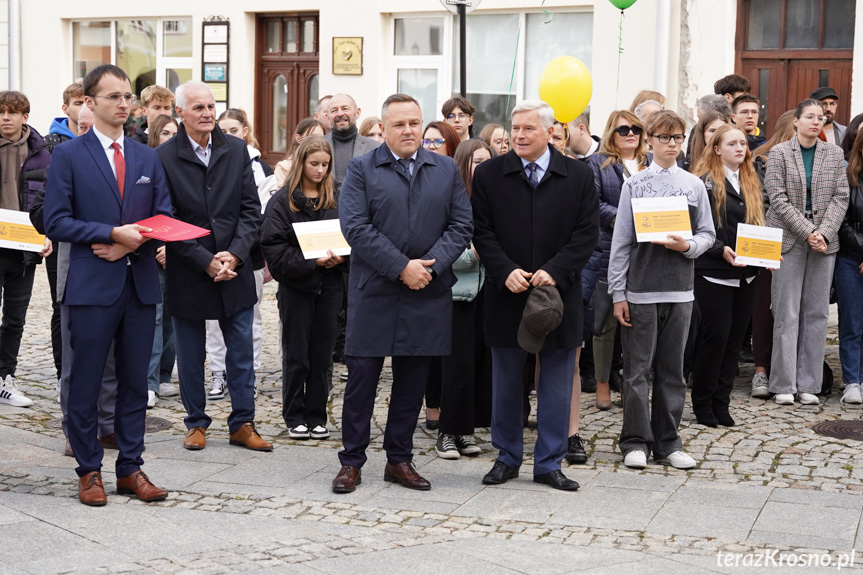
<point>711,263</point>
<point>608,182</point>
<point>554,228</point>
<point>281,248</point>
<point>31,181</point>
<point>851,230</point>
<point>222,198</point>
<point>389,220</point>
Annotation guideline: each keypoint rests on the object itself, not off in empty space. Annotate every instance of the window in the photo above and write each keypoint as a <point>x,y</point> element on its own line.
<point>419,61</point>
<point>150,51</point>
<point>292,35</point>
<point>540,40</point>
<point>801,25</point>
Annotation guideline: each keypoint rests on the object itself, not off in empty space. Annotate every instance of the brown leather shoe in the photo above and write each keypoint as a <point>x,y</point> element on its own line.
<point>139,484</point>
<point>247,436</point>
<point>347,479</point>
<point>68,450</point>
<point>196,438</point>
<point>405,474</point>
<point>90,490</point>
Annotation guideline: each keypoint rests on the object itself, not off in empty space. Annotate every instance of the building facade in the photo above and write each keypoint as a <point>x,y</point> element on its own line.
<point>282,55</point>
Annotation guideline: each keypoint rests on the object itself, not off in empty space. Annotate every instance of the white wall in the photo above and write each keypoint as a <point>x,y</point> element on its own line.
<point>4,44</point>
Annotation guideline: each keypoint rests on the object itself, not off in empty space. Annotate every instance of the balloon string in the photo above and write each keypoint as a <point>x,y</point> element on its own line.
<point>512,77</point>
<point>546,13</point>
<point>619,53</point>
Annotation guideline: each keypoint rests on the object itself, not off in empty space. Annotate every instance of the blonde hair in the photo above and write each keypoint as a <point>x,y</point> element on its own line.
<point>750,185</point>
<point>307,147</point>
<point>607,147</point>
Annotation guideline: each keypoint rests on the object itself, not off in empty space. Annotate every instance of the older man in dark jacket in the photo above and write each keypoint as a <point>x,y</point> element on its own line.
<point>537,223</point>
<point>406,215</point>
<point>212,186</point>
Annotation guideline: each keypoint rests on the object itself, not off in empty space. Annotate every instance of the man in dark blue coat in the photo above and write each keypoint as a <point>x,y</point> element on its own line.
<point>406,215</point>
<point>212,186</point>
<point>537,223</point>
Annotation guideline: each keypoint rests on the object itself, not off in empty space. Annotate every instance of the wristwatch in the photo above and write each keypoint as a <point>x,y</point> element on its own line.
<point>431,271</point>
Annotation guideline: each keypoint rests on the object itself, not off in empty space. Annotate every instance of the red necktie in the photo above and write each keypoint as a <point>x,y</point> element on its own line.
<point>120,167</point>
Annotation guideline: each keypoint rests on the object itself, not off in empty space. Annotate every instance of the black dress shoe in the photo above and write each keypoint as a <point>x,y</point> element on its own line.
<point>588,384</point>
<point>557,480</point>
<point>500,473</point>
<point>575,452</point>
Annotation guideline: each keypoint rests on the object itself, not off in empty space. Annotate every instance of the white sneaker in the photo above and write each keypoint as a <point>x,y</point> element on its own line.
<point>807,398</point>
<point>319,432</point>
<point>168,389</point>
<point>635,459</point>
<point>217,386</point>
<point>759,386</point>
<point>678,460</point>
<point>151,399</point>
<point>299,432</point>
<point>852,394</point>
<point>9,393</point>
<point>784,399</point>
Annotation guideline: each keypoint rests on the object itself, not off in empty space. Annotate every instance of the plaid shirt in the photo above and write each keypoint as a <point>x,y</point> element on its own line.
<point>785,183</point>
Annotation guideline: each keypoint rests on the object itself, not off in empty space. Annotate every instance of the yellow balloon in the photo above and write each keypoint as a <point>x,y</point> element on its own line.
<point>566,86</point>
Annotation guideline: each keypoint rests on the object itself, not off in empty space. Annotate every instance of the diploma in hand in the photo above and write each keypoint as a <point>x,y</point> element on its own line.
<point>655,218</point>
<point>171,230</point>
<point>758,246</point>
<point>17,233</point>
<point>316,238</point>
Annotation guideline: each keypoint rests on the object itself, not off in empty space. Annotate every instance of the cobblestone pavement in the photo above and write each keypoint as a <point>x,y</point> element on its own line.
<point>770,482</point>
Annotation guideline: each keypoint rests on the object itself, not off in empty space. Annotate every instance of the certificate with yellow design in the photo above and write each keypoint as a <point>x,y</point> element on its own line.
<point>758,246</point>
<point>316,238</point>
<point>17,233</point>
<point>655,218</point>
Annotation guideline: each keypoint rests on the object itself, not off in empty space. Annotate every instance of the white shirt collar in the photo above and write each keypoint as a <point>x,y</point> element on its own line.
<point>198,148</point>
<point>733,177</point>
<point>413,156</point>
<point>106,142</point>
<point>654,167</point>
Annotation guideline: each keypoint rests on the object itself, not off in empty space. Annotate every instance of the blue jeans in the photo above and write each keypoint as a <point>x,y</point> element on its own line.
<point>849,292</point>
<point>239,365</point>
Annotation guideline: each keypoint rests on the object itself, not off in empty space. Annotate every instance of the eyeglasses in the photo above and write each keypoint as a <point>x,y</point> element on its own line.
<point>117,96</point>
<point>665,138</point>
<point>459,117</point>
<point>436,143</point>
<point>624,131</point>
<point>814,118</point>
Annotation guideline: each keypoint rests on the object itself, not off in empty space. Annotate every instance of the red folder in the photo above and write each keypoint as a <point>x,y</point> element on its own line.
<point>170,230</point>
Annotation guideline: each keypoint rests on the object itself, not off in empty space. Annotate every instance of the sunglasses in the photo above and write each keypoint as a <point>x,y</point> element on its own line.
<point>436,143</point>
<point>624,131</point>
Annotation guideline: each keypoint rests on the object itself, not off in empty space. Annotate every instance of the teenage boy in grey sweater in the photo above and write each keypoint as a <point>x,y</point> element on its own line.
<point>651,284</point>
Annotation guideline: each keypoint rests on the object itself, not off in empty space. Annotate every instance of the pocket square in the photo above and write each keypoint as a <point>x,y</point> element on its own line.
<point>143,180</point>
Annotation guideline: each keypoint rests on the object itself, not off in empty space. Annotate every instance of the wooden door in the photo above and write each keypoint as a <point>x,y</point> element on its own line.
<point>806,75</point>
<point>286,78</point>
<point>769,78</point>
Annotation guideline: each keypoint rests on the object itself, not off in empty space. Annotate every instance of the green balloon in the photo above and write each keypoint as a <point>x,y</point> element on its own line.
<point>622,4</point>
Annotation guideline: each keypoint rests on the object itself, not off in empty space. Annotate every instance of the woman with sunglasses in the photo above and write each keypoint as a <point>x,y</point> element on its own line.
<point>724,290</point>
<point>440,138</point>
<point>621,155</point>
<point>808,191</point>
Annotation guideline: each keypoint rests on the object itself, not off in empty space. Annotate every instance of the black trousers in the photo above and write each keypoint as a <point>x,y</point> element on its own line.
<point>56,342</point>
<point>309,328</point>
<point>16,286</point>
<point>725,313</point>
<point>409,385</point>
<point>466,374</point>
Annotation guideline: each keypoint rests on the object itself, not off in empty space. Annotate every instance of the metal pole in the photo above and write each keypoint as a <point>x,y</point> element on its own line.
<point>462,43</point>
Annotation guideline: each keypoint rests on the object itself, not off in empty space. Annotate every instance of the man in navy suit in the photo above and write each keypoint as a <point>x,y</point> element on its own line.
<point>100,184</point>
